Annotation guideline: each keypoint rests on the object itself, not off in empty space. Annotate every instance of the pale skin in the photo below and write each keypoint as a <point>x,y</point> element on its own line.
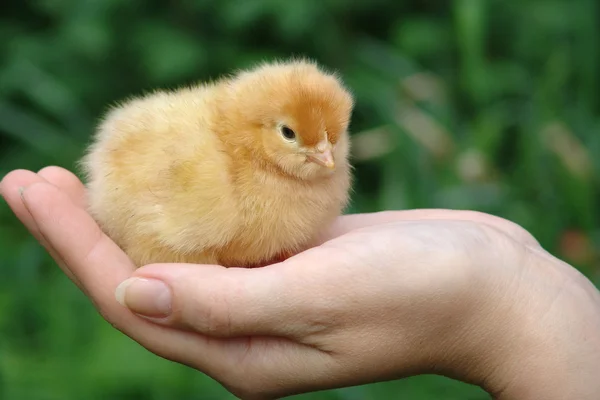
<point>382,296</point>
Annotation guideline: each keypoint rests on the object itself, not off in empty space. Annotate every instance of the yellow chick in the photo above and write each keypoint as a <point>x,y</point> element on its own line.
<point>236,172</point>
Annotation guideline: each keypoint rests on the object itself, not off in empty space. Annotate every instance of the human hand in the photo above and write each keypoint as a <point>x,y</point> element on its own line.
<point>383,296</point>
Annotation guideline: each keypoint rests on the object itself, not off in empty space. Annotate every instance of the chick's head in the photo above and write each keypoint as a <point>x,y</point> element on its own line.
<point>294,116</point>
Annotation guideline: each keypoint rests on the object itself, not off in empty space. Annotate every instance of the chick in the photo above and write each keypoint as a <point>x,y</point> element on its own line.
<point>237,172</point>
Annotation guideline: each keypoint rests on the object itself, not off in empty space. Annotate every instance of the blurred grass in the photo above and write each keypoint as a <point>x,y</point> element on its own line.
<point>486,105</point>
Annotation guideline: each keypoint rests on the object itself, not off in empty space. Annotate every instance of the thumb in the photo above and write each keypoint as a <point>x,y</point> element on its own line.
<point>218,301</point>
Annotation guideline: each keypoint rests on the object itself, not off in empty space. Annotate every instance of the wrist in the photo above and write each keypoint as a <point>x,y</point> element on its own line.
<point>528,326</point>
<point>547,335</point>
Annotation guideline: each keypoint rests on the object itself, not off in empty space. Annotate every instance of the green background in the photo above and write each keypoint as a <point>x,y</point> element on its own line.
<point>486,105</point>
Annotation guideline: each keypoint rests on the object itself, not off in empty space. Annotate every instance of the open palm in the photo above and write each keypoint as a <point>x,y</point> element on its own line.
<point>302,324</point>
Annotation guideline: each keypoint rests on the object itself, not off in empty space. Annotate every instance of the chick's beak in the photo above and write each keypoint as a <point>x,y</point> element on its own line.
<point>324,158</point>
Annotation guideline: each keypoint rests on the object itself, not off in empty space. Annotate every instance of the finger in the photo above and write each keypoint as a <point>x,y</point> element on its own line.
<point>63,224</point>
<point>67,182</point>
<point>100,266</point>
<point>262,323</point>
<point>218,301</point>
<point>348,223</point>
<point>11,187</point>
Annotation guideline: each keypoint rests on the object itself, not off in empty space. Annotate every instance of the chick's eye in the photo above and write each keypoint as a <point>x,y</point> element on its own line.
<point>288,133</point>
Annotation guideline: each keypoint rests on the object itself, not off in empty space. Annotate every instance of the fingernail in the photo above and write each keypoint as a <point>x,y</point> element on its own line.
<point>147,297</point>
<point>21,190</point>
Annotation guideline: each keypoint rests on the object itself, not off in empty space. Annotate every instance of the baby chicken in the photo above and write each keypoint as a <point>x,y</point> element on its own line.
<point>236,172</point>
